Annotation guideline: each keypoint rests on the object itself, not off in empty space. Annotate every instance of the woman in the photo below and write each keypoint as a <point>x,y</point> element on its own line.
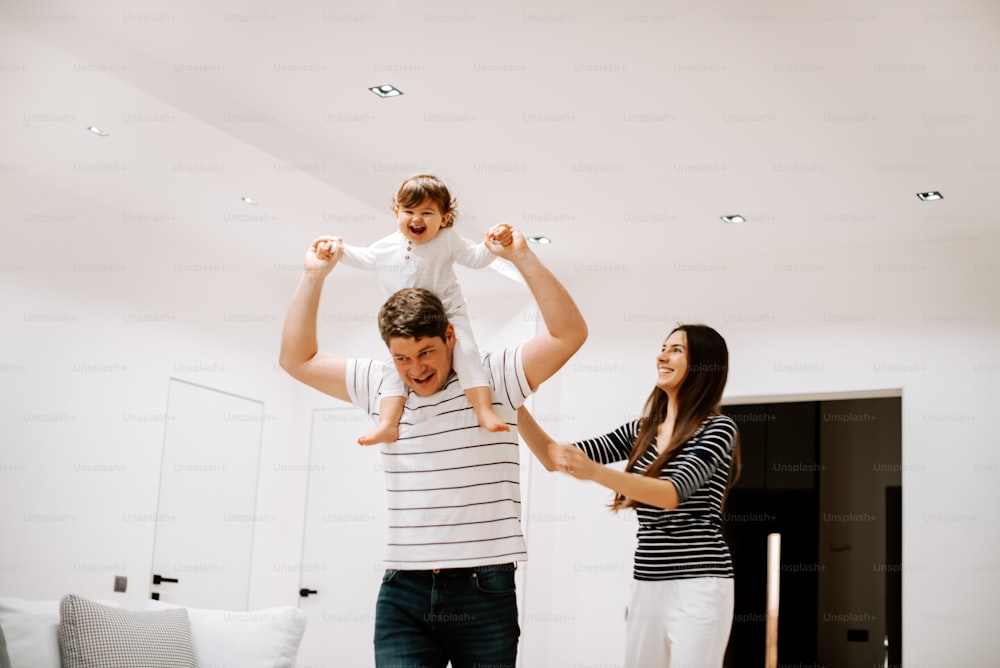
<point>680,454</point>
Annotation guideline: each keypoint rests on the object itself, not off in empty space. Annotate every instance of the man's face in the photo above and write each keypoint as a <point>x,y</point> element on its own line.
<point>423,364</point>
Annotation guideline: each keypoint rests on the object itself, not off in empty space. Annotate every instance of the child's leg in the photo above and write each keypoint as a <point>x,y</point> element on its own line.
<point>392,401</point>
<point>482,401</point>
<point>468,363</point>
<point>390,409</point>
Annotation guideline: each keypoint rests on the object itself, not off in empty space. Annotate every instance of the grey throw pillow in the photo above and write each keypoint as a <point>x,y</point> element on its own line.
<point>92,635</point>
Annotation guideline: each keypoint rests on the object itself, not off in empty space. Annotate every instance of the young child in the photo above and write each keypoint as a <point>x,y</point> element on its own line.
<point>422,254</point>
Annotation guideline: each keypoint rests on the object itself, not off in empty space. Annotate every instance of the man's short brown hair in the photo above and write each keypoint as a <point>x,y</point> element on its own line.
<point>412,313</point>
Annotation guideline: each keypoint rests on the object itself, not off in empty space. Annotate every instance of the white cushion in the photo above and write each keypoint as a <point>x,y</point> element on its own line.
<point>92,635</point>
<point>4,659</point>
<point>266,638</point>
<point>30,629</point>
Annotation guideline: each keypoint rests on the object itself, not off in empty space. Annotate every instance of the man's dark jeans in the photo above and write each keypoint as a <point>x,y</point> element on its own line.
<point>424,619</point>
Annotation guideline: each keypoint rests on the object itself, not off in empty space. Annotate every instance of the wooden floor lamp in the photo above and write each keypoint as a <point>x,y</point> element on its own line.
<point>773,590</point>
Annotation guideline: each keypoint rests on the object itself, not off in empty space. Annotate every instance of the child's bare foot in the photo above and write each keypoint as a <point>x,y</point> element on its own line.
<point>489,421</point>
<point>380,434</point>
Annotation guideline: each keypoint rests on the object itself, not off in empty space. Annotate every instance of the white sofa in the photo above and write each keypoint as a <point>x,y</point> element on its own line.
<point>76,632</point>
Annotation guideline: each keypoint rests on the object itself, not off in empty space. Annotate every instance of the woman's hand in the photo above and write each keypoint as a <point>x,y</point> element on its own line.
<point>573,461</point>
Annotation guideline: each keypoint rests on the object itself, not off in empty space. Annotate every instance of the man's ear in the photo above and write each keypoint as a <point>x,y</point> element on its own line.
<point>449,335</point>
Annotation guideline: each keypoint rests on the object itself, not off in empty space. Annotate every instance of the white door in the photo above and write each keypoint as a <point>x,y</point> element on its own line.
<point>344,542</point>
<point>208,495</point>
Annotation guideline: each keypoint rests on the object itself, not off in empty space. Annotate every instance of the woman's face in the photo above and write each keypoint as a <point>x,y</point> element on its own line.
<point>672,362</point>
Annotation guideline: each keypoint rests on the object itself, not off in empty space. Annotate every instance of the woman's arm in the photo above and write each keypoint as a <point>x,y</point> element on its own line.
<point>615,446</point>
<point>702,457</point>
<point>566,457</point>
<point>651,491</point>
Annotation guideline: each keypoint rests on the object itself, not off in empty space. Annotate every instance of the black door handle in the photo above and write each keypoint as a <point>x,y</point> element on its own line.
<point>157,579</point>
<point>305,592</point>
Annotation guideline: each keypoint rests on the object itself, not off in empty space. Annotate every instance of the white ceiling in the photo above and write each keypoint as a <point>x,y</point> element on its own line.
<point>621,130</point>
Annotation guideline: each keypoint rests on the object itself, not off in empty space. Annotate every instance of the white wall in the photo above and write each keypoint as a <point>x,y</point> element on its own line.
<point>87,350</point>
<point>86,363</point>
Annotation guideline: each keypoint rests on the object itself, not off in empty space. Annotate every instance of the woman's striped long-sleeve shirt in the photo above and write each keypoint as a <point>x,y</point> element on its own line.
<point>686,542</point>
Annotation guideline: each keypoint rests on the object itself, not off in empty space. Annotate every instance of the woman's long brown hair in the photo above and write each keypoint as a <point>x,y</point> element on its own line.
<point>700,396</point>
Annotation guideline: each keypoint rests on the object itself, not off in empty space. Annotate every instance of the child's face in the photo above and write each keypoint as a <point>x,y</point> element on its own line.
<point>420,223</point>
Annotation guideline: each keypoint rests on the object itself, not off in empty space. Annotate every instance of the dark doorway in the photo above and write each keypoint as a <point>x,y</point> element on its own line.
<point>804,464</point>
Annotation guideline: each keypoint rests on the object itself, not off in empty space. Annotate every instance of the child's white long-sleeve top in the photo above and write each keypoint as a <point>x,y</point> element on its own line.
<point>400,263</point>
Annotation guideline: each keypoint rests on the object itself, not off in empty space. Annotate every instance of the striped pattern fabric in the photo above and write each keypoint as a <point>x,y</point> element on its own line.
<point>686,542</point>
<point>92,635</point>
<point>453,488</point>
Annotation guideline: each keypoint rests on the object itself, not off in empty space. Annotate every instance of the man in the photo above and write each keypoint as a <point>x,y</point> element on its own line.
<point>453,491</point>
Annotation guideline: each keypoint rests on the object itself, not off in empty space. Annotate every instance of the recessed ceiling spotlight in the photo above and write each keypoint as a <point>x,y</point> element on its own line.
<point>735,218</point>
<point>386,90</point>
<point>97,131</point>
<point>249,200</point>
<point>930,195</point>
<point>540,240</point>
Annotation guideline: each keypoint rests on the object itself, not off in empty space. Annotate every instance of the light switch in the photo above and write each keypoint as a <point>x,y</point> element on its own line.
<point>121,582</point>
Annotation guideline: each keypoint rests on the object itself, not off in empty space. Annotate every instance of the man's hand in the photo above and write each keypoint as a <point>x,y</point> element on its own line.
<point>572,460</point>
<point>323,254</point>
<point>502,233</point>
<point>506,241</point>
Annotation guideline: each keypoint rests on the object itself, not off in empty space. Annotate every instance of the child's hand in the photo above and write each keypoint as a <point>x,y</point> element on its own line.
<point>327,247</point>
<point>502,233</point>
<point>324,253</point>
<point>506,241</point>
